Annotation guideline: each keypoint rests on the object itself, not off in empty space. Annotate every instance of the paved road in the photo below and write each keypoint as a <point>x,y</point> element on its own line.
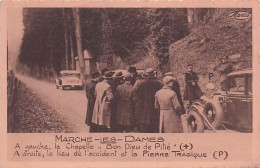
<point>71,104</point>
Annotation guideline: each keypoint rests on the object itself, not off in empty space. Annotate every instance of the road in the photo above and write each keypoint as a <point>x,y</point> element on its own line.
<point>71,104</point>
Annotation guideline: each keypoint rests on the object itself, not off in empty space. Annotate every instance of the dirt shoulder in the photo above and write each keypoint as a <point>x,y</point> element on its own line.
<point>35,116</point>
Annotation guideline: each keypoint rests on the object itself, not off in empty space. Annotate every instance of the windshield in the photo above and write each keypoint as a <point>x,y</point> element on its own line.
<point>71,75</point>
<point>237,84</point>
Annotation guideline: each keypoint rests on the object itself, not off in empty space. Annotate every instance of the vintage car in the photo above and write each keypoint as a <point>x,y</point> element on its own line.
<point>231,109</point>
<point>69,79</point>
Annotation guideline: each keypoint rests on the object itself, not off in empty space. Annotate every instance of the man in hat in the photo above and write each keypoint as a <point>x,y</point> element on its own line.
<point>192,90</point>
<point>139,79</point>
<point>166,101</point>
<point>103,71</point>
<point>176,89</point>
<point>133,71</point>
<point>224,69</point>
<point>115,82</point>
<point>146,116</point>
<point>90,94</point>
<point>124,105</point>
<point>102,109</point>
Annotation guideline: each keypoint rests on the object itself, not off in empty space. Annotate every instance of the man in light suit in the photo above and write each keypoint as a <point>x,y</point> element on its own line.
<point>102,108</point>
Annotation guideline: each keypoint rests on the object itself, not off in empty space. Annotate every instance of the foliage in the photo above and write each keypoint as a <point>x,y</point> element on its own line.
<point>205,46</point>
<point>43,42</point>
<point>113,36</point>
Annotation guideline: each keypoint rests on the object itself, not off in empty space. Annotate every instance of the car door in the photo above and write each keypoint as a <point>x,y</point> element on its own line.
<point>237,103</point>
<point>249,101</point>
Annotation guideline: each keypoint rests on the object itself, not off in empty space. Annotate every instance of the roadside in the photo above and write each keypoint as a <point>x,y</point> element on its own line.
<point>70,104</point>
<point>32,115</point>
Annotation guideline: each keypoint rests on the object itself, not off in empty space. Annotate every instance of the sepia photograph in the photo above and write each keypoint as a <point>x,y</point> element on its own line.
<point>129,70</point>
<point>148,83</point>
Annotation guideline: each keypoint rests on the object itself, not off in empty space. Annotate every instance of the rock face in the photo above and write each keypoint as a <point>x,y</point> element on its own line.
<point>206,44</point>
<point>201,16</point>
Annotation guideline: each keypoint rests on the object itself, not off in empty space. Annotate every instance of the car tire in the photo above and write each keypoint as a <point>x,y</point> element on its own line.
<point>214,113</point>
<point>195,122</point>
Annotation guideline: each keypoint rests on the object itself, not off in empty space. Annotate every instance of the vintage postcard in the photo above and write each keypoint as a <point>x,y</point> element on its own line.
<point>129,83</point>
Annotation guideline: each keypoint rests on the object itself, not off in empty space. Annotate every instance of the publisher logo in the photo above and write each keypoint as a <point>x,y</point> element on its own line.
<point>240,15</point>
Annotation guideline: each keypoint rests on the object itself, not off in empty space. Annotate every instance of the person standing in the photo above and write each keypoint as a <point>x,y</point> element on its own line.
<point>192,90</point>
<point>146,116</point>
<point>124,105</point>
<point>115,82</point>
<point>224,69</point>
<point>133,71</point>
<point>176,88</point>
<point>103,71</point>
<point>139,79</point>
<point>167,102</point>
<point>90,94</point>
<point>102,108</point>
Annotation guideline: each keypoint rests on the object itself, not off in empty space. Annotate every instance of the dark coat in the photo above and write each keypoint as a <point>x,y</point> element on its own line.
<point>176,89</point>
<point>115,83</point>
<point>192,90</point>
<point>124,104</point>
<point>224,70</point>
<point>144,98</point>
<point>90,94</point>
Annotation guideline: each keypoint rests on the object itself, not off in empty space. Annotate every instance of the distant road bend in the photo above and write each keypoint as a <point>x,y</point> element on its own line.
<point>71,104</point>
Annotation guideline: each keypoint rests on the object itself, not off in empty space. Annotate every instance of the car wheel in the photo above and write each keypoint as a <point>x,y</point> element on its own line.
<point>195,122</point>
<point>214,113</point>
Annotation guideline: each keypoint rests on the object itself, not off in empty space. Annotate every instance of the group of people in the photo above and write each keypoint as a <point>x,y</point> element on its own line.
<point>137,102</point>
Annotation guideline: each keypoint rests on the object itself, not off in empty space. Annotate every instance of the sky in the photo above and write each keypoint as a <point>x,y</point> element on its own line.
<point>14,34</point>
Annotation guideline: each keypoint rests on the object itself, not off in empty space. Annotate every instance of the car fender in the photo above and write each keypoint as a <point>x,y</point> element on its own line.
<point>198,107</point>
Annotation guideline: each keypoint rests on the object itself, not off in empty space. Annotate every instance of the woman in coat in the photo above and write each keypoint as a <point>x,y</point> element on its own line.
<point>167,102</point>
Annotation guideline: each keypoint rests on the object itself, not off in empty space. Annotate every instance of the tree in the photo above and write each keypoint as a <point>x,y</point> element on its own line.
<point>66,38</point>
<point>108,51</point>
<point>76,14</point>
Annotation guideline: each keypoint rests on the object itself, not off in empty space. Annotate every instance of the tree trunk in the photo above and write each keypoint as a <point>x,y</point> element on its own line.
<point>72,40</point>
<point>66,39</point>
<point>79,40</point>
<point>108,51</point>
<point>72,54</point>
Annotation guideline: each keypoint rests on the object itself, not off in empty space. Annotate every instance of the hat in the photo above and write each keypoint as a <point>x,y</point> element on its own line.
<point>149,72</point>
<point>167,80</point>
<point>108,75</point>
<point>224,57</point>
<point>118,74</point>
<point>127,76</point>
<point>132,69</point>
<point>94,75</point>
<point>169,74</point>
